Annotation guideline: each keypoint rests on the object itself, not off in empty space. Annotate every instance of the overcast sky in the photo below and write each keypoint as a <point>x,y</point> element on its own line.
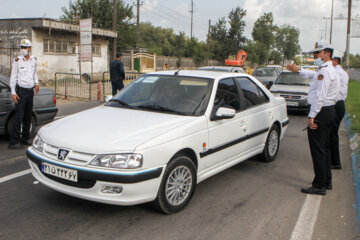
<point>306,15</point>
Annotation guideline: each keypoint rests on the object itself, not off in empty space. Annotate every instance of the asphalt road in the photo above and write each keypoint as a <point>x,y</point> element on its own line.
<point>251,201</point>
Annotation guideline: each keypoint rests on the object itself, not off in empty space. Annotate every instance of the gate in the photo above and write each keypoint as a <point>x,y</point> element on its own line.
<point>106,84</point>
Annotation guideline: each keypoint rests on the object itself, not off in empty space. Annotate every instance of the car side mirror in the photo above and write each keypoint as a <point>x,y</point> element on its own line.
<point>223,113</point>
<point>268,86</point>
<point>107,98</point>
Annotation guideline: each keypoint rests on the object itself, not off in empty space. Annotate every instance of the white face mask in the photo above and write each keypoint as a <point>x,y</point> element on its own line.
<point>24,52</point>
<point>318,62</point>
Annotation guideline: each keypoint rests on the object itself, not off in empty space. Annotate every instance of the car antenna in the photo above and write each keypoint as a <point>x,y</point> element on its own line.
<point>177,72</point>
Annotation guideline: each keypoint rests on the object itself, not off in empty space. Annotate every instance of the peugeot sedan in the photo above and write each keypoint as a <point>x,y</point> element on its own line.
<point>159,137</point>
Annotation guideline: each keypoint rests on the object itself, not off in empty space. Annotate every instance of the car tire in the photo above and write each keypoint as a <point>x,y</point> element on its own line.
<point>271,145</point>
<point>10,124</point>
<point>177,186</point>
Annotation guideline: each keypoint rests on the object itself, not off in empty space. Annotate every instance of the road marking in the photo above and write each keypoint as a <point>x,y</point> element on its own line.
<point>15,175</point>
<point>305,224</point>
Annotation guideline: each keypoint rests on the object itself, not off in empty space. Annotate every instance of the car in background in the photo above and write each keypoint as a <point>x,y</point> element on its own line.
<point>310,67</point>
<point>44,108</point>
<point>222,69</point>
<point>266,75</point>
<point>159,137</point>
<point>294,88</point>
<point>278,68</point>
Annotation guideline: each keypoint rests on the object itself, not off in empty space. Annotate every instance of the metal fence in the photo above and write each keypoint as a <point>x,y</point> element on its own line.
<point>74,85</point>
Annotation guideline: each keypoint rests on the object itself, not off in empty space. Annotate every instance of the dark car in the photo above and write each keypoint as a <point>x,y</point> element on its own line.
<point>266,75</point>
<point>44,108</point>
<point>294,88</point>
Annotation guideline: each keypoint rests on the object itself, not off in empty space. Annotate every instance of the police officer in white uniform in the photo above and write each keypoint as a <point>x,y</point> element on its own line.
<point>23,81</point>
<point>340,111</point>
<point>322,97</point>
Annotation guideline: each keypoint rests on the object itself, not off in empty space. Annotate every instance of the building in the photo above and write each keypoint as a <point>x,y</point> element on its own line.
<point>55,45</point>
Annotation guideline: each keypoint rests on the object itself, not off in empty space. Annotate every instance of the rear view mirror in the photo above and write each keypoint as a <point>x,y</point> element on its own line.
<point>224,113</point>
<point>269,84</point>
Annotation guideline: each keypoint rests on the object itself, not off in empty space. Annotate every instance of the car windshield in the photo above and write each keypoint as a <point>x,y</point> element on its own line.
<point>169,94</point>
<point>292,79</point>
<point>264,72</point>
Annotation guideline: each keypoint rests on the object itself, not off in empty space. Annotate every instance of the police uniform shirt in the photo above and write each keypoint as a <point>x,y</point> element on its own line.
<point>344,80</point>
<point>23,73</point>
<point>324,88</point>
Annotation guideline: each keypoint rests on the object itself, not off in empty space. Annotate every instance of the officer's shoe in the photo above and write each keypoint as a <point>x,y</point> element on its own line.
<point>312,190</point>
<point>16,146</point>
<point>329,186</point>
<point>337,167</point>
<point>26,142</point>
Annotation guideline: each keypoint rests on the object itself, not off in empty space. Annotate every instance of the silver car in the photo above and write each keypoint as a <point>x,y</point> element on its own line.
<point>44,108</point>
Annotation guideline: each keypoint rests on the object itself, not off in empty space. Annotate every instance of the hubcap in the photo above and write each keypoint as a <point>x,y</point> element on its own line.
<point>273,143</point>
<point>178,185</point>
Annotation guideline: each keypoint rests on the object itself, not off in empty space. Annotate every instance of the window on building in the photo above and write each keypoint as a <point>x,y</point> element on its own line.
<point>59,47</point>
<point>96,50</point>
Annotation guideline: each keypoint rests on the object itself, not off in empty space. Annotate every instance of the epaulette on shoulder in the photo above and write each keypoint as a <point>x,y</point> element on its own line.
<point>16,59</point>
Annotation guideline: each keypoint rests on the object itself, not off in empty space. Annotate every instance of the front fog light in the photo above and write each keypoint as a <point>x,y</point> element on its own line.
<point>122,161</point>
<point>38,143</point>
<point>111,189</point>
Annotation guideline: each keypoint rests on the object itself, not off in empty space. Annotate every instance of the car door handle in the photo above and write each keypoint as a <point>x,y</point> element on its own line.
<point>243,128</point>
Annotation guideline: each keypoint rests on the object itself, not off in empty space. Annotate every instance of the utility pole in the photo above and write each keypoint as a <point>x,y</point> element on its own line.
<point>326,25</point>
<point>208,44</point>
<point>138,24</point>
<point>192,13</point>
<point>348,35</point>
<point>114,28</point>
<point>332,16</point>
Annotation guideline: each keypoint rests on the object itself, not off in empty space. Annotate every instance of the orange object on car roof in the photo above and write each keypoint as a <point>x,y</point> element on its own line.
<point>239,61</point>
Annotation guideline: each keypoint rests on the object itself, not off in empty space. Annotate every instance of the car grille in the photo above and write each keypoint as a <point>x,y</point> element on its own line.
<point>73,157</point>
<point>295,97</point>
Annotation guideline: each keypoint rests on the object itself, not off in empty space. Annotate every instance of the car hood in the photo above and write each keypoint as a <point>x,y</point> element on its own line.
<point>109,129</point>
<point>280,88</point>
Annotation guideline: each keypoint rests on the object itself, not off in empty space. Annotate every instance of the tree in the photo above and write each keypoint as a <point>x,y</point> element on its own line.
<point>263,35</point>
<point>287,41</point>
<point>101,12</point>
<point>236,39</point>
<point>218,42</point>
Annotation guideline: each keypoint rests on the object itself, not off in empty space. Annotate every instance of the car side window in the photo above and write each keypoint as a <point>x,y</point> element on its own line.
<point>252,93</point>
<point>4,88</point>
<point>227,94</point>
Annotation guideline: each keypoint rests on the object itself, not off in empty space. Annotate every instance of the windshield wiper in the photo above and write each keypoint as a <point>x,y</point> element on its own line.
<point>120,102</point>
<point>159,108</point>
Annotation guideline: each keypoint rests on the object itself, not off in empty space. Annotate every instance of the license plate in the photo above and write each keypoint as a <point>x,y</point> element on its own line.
<point>295,104</point>
<point>61,172</point>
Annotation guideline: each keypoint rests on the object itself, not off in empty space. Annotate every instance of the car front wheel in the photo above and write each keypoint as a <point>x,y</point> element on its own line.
<point>9,127</point>
<point>272,144</point>
<point>177,186</point>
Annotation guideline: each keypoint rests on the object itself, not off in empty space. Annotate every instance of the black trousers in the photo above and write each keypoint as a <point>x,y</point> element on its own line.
<point>116,85</point>
<point>23,112</point>
<point>320,146</point>
<point>334,136</point>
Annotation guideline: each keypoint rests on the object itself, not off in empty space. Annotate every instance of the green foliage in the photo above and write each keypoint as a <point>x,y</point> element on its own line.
<point>352,104</point>
<point>235,36</point>
<point>354,61</point>
<point>287,41</point>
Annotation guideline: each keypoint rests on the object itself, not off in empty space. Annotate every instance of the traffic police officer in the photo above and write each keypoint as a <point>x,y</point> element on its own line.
<point>117,74</point>
<point>322,97</point>
<point>340,111</point>
<point>23,80</point>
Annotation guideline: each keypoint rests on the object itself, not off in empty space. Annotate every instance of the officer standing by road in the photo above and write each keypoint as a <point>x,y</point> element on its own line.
<point>322,97</point>
<point>23,80</point>
<point>340,111</point>
<point>117,74</point>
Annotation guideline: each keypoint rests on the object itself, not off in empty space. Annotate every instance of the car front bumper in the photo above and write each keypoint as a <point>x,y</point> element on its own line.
<point>136,187</point>
<point>297,105</point>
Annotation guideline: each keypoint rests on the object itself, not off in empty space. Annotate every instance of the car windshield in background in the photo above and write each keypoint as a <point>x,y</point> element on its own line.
<point>292,79</point>
<point>165,93</point>
<point>264,72</point>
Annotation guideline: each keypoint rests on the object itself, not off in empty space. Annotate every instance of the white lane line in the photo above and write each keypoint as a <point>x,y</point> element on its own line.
<point>15,175</point>
<point>305,224</point>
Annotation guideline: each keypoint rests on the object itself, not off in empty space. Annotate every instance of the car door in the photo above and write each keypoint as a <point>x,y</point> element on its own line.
<point>6,104</point>
<point>226,135</point>
<point>256,114</point>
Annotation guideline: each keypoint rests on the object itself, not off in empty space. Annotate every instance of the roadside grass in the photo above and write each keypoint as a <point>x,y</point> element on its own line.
<point>353,104</point>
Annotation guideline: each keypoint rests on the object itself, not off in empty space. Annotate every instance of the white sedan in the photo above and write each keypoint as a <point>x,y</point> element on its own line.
<point>159,137</point>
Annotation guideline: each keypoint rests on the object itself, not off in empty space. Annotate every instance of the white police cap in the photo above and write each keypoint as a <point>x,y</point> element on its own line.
<point>336,54</point>
<point>321,45</point>
<point>25,43</point>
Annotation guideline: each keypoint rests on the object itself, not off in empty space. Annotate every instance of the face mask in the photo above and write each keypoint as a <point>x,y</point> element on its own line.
<point>24,52</point>
<point>318,62</point>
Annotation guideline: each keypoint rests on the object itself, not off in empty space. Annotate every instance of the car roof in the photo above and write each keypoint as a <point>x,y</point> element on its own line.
<point>219,67</point>
<point>197,73</point>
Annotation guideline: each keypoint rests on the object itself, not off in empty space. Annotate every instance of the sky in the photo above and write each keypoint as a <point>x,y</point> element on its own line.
<point>305,15</point>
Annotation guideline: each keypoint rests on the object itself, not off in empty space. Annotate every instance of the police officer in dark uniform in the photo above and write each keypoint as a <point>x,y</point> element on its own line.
<point>117,74</point>
<point>340,111</point>
<point>23,81</point>
<point>323,93</point>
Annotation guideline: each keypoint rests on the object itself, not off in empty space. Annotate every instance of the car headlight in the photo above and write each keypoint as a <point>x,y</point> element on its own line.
<point>124,161</point>
<point>38,143</point>
<point>303,97</point>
